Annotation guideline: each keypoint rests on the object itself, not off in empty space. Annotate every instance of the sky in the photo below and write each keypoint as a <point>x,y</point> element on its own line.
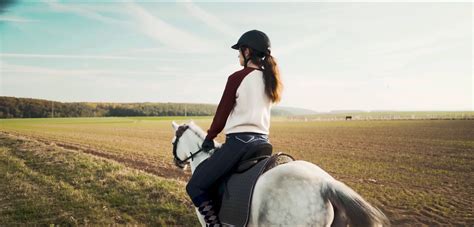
<point>332,55</point>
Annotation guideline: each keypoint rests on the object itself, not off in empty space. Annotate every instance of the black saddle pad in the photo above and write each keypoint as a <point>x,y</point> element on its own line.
<point>237,189</point>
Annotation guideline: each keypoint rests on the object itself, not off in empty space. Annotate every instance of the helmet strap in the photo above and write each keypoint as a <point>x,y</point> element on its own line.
<point>246,60</point>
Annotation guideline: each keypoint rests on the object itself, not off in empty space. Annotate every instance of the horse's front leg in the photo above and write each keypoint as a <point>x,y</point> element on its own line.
<point>201,218</point>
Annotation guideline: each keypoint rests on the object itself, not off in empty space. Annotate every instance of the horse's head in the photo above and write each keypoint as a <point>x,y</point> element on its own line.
<point>186,142</point>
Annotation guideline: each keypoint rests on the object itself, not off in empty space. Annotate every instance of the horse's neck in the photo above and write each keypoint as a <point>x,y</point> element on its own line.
<point>193,146</point>
<point>198,159</point>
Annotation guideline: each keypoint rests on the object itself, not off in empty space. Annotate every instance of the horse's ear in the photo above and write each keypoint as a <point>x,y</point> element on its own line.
<point>175,126</point>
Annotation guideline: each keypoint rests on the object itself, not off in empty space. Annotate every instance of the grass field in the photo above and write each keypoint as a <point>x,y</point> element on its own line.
<point>87,170</point>
<point>42,184</point>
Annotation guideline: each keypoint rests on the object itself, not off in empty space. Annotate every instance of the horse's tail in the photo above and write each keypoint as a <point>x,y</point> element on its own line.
<point>351,207</point>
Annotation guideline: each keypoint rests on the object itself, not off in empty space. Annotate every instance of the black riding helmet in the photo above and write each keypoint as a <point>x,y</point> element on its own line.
<point>256,40</point>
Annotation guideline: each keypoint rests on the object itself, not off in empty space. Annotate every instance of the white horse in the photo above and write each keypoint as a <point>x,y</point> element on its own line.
<point>297,193</point>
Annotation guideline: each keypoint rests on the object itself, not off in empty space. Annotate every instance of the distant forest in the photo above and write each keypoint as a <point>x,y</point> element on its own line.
<point>12,107</point>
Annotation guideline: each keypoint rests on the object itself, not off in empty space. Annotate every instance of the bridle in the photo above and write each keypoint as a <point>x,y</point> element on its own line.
<point>178,162</point>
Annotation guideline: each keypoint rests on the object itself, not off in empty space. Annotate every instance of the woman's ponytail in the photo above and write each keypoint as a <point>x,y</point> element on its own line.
<point>271,75</point>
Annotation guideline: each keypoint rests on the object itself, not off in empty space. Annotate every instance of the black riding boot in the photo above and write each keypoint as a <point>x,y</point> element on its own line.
<point>207,209</point>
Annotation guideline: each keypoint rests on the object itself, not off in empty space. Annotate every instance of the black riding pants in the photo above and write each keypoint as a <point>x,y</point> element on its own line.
<point>219,164</point>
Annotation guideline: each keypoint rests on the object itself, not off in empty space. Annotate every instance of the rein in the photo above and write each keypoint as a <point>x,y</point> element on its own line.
<point>178,162</point>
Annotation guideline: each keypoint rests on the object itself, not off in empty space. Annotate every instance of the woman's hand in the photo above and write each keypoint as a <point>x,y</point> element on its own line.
<point>207,145</point>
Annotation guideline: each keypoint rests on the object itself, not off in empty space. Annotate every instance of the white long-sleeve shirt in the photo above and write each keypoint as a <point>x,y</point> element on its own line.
<point>244,106</point>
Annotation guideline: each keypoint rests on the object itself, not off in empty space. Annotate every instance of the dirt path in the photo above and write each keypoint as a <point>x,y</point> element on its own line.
<point>152,168</point>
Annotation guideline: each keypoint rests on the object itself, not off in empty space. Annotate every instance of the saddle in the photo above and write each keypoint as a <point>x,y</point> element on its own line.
<point>233,194</point>
<point>253,155</point>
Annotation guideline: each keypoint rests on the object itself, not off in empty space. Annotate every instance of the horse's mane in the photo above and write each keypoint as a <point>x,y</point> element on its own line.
<point>198,130</point>
<point>201,133</point>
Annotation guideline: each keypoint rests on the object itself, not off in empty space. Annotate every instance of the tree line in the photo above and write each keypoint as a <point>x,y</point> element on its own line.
<point>12,107</point>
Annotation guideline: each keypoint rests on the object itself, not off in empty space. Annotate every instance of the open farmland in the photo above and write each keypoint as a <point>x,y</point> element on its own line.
<point>416,171</point>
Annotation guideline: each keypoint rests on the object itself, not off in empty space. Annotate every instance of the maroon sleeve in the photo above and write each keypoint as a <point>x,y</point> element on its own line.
<point>224,108</point>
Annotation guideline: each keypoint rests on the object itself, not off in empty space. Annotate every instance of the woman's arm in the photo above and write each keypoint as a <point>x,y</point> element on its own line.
<point>224,108</point>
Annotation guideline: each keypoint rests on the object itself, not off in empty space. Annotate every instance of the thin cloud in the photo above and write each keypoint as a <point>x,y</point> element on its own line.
<point>395,54</point>
<point>209,19</point>
<point>443,36</point>
<point>91,73</point>
<point>171,37</point>
<point>306,42</point>
<point>165,33</point>
<point>16,19</point>
<point>69,8</point>
<point>102,57</point>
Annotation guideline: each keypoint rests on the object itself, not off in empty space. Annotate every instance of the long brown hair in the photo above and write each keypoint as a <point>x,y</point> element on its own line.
<point>271,72</point>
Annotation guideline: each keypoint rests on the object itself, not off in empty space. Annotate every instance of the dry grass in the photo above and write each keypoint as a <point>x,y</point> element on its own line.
<point>44,184</point>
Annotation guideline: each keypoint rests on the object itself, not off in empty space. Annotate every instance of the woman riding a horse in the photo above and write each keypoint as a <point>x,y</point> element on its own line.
<point>244,115</point>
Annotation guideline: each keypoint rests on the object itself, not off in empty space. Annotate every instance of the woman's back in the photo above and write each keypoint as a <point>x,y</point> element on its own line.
<point>251,112</point>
